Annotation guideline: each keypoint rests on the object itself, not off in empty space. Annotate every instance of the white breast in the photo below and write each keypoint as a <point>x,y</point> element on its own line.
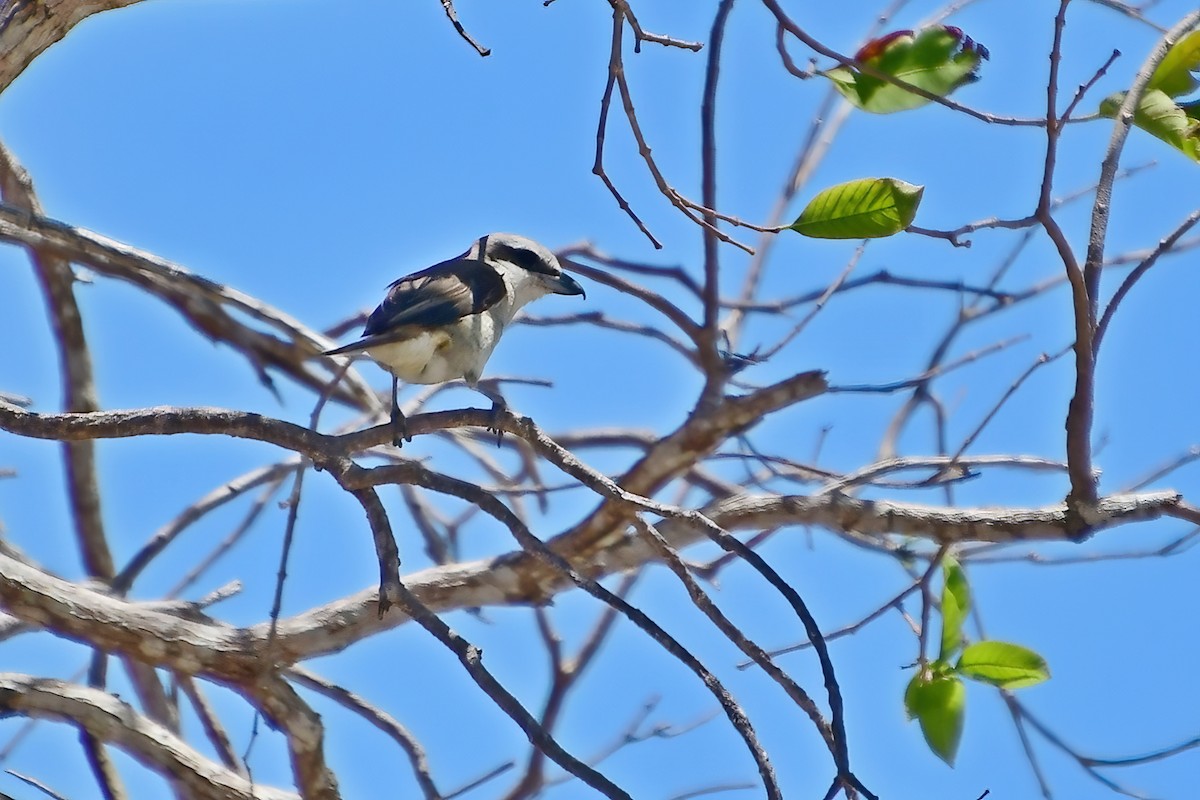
<point>458,351</point>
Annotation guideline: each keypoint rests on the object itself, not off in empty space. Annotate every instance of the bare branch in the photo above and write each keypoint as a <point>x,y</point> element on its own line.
<point>1122,122</point>
<point>670,557</point>
<point>448,6</point>
<point>112,721</point>
<point>213,730</point>
<point>75,361</point>
<point>28,28</point>
<point>379,719</point>
<point>1165,245</point>
<point>1081,409</point>
<point>471,659</point>
<point>205,304</point>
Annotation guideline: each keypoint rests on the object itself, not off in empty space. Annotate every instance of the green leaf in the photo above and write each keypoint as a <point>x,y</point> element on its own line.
<point>1009,666</point>
<point>939,704</point>
<point>1176,124</point>
<point>1158,112</point>
<point>956,602</point>
<point>1174,74</point>
<point>938,59</point>
<point>864,209</point>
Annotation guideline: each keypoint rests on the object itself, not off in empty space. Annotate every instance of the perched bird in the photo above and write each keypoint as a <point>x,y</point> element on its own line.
<point>443,322</point>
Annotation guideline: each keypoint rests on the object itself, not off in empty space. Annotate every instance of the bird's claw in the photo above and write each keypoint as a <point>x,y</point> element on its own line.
<point>497,409</point>
<point>400,433</point>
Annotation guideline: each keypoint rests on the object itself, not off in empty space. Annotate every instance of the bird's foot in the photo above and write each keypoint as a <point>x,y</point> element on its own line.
<point>400,432</point>
<point>498,407</point>
<point>490,388</point>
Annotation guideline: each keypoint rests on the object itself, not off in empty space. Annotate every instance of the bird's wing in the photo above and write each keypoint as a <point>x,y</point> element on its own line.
<point>439,295</point>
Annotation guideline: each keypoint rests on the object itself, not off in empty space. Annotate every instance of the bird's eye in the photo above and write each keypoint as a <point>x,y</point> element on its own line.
<point>526,259</point>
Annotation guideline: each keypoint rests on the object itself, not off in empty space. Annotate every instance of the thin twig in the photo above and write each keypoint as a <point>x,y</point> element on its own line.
<point>448,6</point>
<point>379,719</point>
<point>1164,246</point>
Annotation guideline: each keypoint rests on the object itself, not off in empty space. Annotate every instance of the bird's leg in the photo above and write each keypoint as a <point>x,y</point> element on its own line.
<point>399,424</point>
<point>491,390</point>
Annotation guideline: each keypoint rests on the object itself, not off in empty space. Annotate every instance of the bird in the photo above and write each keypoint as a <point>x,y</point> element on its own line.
<point>443,322</point>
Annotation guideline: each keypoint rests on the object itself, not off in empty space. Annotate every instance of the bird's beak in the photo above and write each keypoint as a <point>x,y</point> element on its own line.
<point>565,284</point>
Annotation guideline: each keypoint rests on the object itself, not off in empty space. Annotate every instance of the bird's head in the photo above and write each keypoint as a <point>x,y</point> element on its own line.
<point>530,268</point>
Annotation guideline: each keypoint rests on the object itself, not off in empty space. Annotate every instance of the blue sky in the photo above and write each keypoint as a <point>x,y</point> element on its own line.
<point>310,153</point>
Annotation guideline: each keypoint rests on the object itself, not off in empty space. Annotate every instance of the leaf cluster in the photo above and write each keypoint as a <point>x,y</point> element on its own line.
<point>936,696</point>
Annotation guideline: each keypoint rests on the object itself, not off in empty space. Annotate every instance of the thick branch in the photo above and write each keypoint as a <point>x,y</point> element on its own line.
<point>158,636</point>
<point>597,546</point>
<point>27,28</point>
<point>144,631</point>
<point>518,579</point>
<point>680,450</point>
<point>305,735</point>
<point>108,719</point>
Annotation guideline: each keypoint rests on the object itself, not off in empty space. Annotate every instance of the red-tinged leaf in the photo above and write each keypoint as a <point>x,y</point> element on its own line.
<point>938,59</point>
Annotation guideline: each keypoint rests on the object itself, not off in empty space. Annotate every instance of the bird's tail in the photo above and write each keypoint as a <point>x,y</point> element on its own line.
<point>353,347</point>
